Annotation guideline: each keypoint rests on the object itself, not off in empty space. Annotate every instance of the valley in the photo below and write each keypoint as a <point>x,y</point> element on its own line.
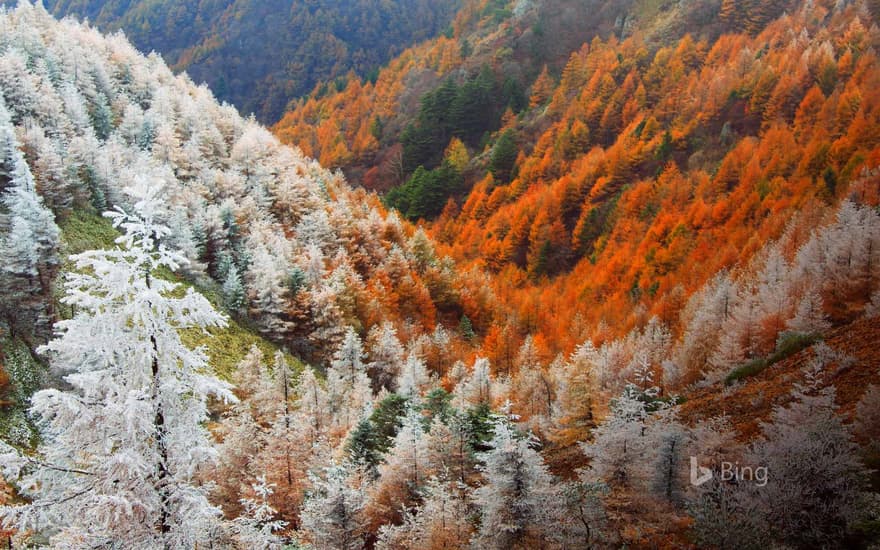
<point>528,274</point>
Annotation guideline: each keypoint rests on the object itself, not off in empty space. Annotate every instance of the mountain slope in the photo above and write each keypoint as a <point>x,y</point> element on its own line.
<point>260,55</point>
<point>647,165</point>
<point>280,239</point>
<point>515,39</point>
<point>752,401</point>
<point>453,400</point>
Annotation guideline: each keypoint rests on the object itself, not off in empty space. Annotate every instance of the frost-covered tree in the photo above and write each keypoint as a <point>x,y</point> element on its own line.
<point>19,86</point>
<point>386,355</point>
<point>328,319</point>
<point>527,356</point>
<point>332,515</point>
<point>403,474</point>
<point>609,362</point>
<point>120,448</point>
<point>256,527</point>
<point>283,383</point>
<point>267,294</point>
<point>516,492</point>
<point>28,244</point>
<point>441,522</point>
<point>314,407</point>
<point>854,263</point>
<point>315,229</point>
<point>809,317</point>
<point>706,312</point>
<point>576,392</point>
<point>741,335</point>
<point>348,359</point>
<point>619,443</point>
<point>534,391</point>
<point>233,290</point>
<point>437,352</point>
<point>413,380</point>
<point>816,482</point>
<point>52,179</point>
<point>350,286</point>
<point>475,387</point>
<point>348,386</point>
<point>814,489</point>
<point>449,448</point>
<point>671,374</point>
<point>314,265</point>
<point>723,512</point>
<point>575,514</point>
<point>725,517</point>
<point>669,446</point>
<point>774,291</point>
<point>844,259</point>
<point>249,154</point>
<point>654,341</point>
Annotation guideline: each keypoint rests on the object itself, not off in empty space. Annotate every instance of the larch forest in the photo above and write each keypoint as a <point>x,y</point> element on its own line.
<point>405,274</point>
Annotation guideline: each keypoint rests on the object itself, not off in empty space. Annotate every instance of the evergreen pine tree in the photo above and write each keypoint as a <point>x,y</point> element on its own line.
<point>503,159</point>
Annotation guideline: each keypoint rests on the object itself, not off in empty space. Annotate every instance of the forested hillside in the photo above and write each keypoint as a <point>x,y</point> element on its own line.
<point>661,258</point>
<point>494,57</point>
<point>261,55</point>
<point>615,185</point>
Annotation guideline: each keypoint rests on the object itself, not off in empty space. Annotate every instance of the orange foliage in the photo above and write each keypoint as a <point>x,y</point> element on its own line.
<point>646,174</point>
<point>666,228</point>
<point>541,89</point>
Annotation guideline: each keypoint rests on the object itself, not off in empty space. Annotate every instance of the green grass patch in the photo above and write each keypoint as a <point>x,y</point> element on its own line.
<point>226,347</point>
<point>84,230</point>
<point>789,343</point>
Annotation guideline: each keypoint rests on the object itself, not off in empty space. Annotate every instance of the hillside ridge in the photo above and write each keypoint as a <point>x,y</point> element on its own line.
<point>261,55</point>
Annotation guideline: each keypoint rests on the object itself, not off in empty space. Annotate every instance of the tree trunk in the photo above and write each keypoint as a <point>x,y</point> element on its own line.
<point>162,474</point>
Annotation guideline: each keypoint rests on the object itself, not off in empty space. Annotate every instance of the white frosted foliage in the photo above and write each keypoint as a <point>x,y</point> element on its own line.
<point>121,446</point>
